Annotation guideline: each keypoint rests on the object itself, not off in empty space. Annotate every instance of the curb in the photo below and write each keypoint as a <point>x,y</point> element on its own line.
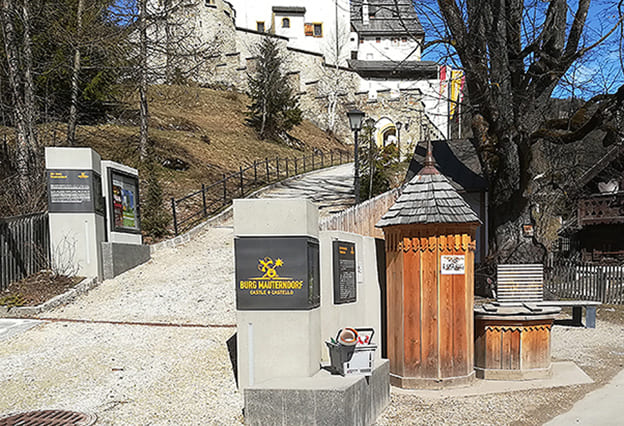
<point>62,299</point>
<point>225,214</point>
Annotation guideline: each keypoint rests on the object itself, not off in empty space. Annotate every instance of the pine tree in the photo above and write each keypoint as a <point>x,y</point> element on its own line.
<point>274,108</point>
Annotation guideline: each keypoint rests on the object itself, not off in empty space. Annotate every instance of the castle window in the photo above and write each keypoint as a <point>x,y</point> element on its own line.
<point>361,41</point>
<point>209,3</point>
<point>318,30</point>
<point>260,26</point>
<point>285,23</point>
<point>404,40</point>
<point>378,40</point>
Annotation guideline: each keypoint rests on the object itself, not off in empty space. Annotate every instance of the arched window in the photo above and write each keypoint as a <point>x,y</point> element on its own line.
<point>286,23</point>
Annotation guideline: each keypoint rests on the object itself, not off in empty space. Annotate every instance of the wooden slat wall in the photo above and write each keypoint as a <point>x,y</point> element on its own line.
<point>583,281</point>
<point>24,247</point>
<point>361,219</point>
<point>519,283</point>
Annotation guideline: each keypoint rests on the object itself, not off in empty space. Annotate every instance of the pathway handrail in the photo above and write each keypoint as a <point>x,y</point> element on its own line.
<point>190,209</point>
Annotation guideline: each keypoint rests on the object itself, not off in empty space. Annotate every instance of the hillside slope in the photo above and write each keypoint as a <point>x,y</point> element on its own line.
<point>199,134</point>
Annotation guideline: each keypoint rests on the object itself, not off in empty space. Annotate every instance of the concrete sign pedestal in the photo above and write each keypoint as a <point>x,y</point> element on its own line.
<point>76,210</point>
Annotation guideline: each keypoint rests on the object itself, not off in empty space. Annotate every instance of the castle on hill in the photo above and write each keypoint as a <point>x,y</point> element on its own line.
<point>340,54</point>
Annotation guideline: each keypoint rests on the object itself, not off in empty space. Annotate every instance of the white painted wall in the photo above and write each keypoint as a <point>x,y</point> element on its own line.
<point>434,97</point>
<point>249,12</point>
<point>388,49</point>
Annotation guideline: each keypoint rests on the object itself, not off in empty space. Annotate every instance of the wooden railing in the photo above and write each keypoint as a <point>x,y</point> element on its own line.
<point>361,219</point>
<point>602,208</point>
<point>24,246</point>
<point>191,209</point>
<point>584,281</point>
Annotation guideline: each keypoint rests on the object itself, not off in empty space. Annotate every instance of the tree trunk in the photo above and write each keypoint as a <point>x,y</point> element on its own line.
<point>23,100</point>
<point>73,109</point>
<point>143,137</point>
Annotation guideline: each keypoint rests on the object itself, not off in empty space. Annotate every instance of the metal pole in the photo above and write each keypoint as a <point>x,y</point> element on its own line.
<point>241,182</point>
<point>322,160</point>
<point>175,219</point>
<point>204,199</point>
<point>356,179</point>
<point>277,167</point>
<point>286,166</point>
<point>296,166</point>
<point>255,174</point>
<point>267,169</point>
<point>224,190</point>
<point>331,153</point>
<point>304,164</point>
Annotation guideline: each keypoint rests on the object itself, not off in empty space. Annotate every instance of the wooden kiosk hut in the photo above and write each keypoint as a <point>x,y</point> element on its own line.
<point>430,244</point>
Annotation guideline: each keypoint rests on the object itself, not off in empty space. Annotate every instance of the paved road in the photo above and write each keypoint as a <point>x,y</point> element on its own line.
<point>600,407</point>
<point>151,346</point>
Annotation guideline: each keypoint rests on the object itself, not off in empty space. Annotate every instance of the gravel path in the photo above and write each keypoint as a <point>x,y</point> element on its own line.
<point>156,375</point>
<point>145,374</point>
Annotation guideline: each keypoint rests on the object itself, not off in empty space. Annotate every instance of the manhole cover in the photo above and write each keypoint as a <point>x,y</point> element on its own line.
<point>49,418</point>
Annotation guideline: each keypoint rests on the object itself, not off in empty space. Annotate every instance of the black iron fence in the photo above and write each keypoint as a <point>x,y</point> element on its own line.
<point>584,281</point>
<point>191,209</point>
<point>24,246</point>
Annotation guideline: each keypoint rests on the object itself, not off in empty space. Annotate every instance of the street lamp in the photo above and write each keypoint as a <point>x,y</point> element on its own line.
<point>355,121</point>
<point>398,126</point>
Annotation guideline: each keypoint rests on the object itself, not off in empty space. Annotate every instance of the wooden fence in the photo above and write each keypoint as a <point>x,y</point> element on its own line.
<point>361,219</point>
<point>191,209</point>
<point>584,281</point>
<point>24,247</point>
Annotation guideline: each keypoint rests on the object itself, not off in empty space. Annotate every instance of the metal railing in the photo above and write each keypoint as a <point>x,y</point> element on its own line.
<point>191,209</point>
<point>24,246</point>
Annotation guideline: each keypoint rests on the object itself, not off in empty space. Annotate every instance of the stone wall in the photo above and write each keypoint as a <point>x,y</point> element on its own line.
<point>318,84</point>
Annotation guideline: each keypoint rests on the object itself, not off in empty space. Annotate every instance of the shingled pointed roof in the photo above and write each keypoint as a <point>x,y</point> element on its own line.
<point>428,198</point>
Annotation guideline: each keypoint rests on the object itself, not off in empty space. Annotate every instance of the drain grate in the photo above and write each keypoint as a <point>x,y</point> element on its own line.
<point>49,418</point>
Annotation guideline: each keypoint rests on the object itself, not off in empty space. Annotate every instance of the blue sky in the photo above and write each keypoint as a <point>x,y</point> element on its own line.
<point>600,71</point>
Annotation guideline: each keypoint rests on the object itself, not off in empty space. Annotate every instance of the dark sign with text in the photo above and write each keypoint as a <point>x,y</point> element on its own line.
<point>344,272</point>
<point>277,273</point>
<point>74,191</point>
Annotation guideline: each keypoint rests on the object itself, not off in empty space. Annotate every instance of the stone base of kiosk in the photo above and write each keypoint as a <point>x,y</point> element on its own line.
<point>117,258</point>
<point>319,400</point>
<point>431,383</point>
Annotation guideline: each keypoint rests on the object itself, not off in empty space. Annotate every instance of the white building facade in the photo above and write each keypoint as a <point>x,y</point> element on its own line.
<point>380,39</point>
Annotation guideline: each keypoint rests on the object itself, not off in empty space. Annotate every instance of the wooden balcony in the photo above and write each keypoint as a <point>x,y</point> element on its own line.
<point>601,209</point>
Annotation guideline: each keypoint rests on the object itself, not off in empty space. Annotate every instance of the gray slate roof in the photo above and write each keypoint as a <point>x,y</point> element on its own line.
<point>385,19</point>
<point>289,9</point>
<point>428,198</point>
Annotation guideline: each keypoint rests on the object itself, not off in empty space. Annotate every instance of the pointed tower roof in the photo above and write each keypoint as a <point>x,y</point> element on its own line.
<point>428,198</point>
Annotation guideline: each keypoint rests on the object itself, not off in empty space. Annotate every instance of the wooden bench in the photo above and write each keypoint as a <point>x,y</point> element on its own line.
<point>577,310</point>
<point>524,283</point>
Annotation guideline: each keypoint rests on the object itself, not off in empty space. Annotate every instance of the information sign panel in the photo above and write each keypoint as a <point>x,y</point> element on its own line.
<point>453,264</point>
<point>345,290</point>
<point>124,199</point>
<point>277,273</point>
<point>74,191</point>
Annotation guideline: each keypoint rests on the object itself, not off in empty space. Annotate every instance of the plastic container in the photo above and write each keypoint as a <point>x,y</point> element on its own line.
<point>353,360</point>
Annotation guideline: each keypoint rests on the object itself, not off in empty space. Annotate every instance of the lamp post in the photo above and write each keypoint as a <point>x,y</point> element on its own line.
<point>398,126</point>
<point>372,155</point>
<point>355,121</point>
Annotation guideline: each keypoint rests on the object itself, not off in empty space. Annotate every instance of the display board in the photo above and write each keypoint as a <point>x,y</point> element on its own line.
<point>74,191</point>
<point>345,290</point>
<point>124,199</point>
<point>277,273</point>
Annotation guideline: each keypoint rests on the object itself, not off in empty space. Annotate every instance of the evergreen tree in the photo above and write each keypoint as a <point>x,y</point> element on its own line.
<point>274,108</point>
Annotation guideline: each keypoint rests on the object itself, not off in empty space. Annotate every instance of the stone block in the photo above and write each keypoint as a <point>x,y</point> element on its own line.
<point>118,258</point>
<point>322,399</point>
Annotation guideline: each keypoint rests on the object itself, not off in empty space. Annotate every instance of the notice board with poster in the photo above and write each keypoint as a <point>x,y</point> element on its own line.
<point>124,200</point>
<point>345,289</point>
<point>74,191</point>
<point>277,273</point>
